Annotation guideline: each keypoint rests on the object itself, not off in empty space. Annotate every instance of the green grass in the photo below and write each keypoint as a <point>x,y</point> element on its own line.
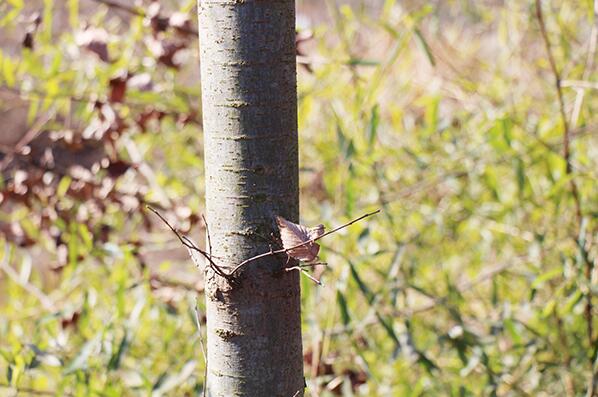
<point>472,281</point>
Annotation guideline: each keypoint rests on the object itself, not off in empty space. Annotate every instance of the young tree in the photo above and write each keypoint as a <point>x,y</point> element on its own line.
<point>248,76</point>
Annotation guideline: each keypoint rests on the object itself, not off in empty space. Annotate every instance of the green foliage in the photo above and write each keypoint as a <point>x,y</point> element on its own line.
<point>474,279</point>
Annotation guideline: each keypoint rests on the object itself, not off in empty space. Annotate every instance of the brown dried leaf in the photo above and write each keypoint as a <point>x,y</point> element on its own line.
<point>117,168</point>
<point>34,21</point>
<point>171,54</point>
<point>181,23</point>
<point>292,234</point>
<point>95,40</point>
<point>70,321</point>
<point>118,88</point>
<point>28,40</point>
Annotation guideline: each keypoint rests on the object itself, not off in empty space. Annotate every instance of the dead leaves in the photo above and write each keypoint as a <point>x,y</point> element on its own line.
<point>94,40</point>
<point>297,239</point>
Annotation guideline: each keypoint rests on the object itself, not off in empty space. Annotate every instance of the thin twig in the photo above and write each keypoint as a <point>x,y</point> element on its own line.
<point>122,7</point>
<point>589,265</point>
<point>187,242</point>
<point>580,84</point>
<point>37,95</point>
<point>140,13</point>
<point>336,229</point>
<point>170,283</point>
<point>313,264</point>
<point>207,234</point>
<point>30,288</point>
<point>286,250</point>
<point>146,171</point>
<point>564,342</point>
<point>31,391</point>
<point>461,288</point>
<point>298,393</point>
<point>304,272</point>
<point>588,69</point>
<point>31,134</point>
<point>565,121</point>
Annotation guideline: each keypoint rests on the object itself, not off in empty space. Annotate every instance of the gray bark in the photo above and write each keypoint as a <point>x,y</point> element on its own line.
<point>248,77</point>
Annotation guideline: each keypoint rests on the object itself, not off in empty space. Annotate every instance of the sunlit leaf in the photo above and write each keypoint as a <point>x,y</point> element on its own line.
<point>293,235</point>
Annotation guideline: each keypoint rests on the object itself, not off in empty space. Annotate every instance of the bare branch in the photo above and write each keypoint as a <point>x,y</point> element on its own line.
<point>559,91</point>
<point>297,393</point>
<point>313,264</point>
<point>286,250</point>
<point>30,288</point>
<point>304,272</point>
<point>207,234</point>
<point>589,265</point>
<point>187,242</point>
<point>36,95</point>
<point>140,13</point>
<point>31,391</point>
<point>122,7</point>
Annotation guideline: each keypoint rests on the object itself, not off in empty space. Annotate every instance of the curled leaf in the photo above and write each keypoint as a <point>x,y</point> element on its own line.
<point>292,235</point>
<point>94,40</point>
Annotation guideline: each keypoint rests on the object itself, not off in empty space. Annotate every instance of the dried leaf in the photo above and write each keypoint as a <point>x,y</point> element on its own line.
<point>117,168</point>
<point>293,234</point>
<point>179,20</point>
<point>28,40</point>
<point>118,88</point>
<point>172,56</point>
<point>70,321</point>
<point>157,22</point>
<point>95,40</point>
<point>34,21</point>
<point>144,118</point>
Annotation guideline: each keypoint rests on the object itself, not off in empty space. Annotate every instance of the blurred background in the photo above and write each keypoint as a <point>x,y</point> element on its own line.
<point>471,124</point>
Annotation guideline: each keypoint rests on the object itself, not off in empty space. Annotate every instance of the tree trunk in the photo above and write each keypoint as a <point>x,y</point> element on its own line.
<point>249,97</point>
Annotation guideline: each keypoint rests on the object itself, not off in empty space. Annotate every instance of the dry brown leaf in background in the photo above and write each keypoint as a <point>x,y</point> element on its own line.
<point>292,234</point>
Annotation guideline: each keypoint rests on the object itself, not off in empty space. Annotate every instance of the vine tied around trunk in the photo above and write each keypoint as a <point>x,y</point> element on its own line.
<point>192,247</point>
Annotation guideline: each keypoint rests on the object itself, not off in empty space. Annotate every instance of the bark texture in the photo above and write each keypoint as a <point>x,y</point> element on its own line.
<point>249,101</point>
